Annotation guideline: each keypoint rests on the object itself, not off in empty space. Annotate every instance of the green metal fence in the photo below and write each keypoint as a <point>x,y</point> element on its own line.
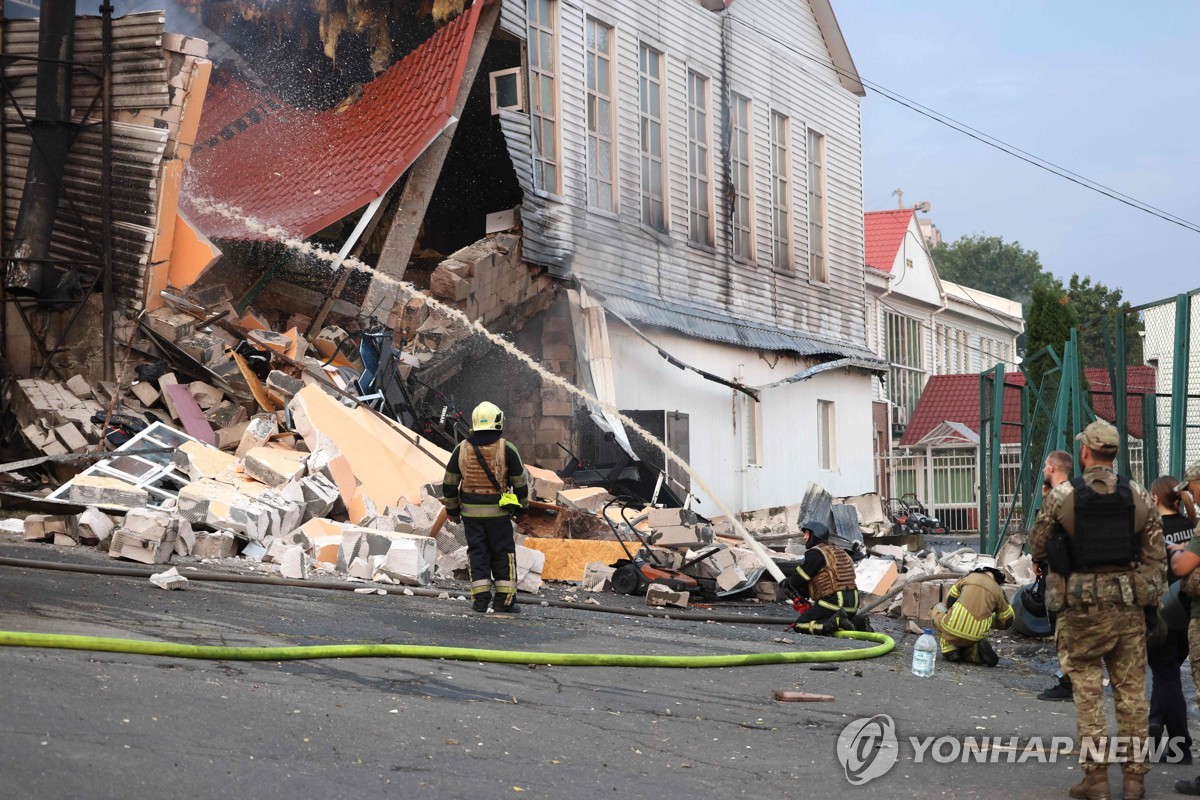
<point>1152,395</point>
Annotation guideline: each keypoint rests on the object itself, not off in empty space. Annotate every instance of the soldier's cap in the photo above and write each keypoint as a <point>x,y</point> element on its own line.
<point>1101,436</point>
<point>1192,473</point>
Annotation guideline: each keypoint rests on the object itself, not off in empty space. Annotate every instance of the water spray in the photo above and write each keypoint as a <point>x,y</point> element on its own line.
<point>408,290</point>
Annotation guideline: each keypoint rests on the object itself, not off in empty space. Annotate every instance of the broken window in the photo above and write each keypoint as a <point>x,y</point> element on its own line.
<point>154,472</point>
<point>543,92</point>
<point>601,173</point>
<point>743,179</point>
<point>700,229</point>
<point>818,260</point>
<point>826,435</point>
<point>781,194</point>
<point>650,79</point>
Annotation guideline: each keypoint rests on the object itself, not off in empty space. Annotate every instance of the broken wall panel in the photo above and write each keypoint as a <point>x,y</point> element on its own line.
<point>156,473</point>
<point>153,84</point>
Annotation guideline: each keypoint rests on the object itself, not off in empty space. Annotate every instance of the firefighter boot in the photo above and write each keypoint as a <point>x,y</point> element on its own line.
<point>1094,785</point>
<point>1135,786</point>
<point>480,602</point>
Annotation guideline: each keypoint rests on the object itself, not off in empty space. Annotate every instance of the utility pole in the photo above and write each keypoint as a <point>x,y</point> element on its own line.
<point>899,194</point>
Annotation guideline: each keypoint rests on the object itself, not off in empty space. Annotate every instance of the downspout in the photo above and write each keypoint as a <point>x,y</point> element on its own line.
<point>51,134</point>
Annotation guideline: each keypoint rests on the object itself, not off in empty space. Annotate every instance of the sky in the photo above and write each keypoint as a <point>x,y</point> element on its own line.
<point>1106,90</point>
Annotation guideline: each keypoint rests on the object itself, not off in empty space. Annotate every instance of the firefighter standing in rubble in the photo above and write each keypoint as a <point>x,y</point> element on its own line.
<point>826,579</point>
<point>976,604</point>
<point>1101,536</point>
<point>485,485</point>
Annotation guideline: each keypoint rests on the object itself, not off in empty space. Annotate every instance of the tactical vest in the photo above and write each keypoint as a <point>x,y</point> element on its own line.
<point>836,576</point>
<point>474,479</point>
<point>1104,529</point>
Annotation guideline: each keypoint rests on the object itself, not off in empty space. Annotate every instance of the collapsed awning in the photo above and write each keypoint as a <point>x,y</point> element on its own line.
<point>303,170</point>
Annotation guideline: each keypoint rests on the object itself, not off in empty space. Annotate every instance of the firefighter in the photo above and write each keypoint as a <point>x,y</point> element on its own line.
<point>976,605</point>
<point>485,485</point>
<point>1101,536</point>
<point>826,579</point>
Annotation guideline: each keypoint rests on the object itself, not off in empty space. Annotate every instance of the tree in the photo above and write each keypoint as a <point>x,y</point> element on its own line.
<point>1048,324</point>
<point>1094,305</point>
<point>992,265</point>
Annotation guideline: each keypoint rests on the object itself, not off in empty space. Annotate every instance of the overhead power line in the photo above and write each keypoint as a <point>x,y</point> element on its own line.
<point>985,138</point>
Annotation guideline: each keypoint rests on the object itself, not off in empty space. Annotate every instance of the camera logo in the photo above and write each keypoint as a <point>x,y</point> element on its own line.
<point>867,748</point>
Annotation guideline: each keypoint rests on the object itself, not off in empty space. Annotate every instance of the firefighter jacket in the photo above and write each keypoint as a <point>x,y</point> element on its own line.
<point>977,604</point>
<point>826,570</point>
<point>469,491</point>
<point>1140,583</point>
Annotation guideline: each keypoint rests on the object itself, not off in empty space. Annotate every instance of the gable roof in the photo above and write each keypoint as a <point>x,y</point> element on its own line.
<point>955,399</point>
<point>883,235</point>
<point>303,170</point>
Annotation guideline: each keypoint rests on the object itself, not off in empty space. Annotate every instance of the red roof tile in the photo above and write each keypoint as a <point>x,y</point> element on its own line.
<point>955,398</point>
<point>883,232</point>
<point>304,170</point>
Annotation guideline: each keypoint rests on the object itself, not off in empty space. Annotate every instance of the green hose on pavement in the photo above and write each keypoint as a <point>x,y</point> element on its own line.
<point>884,644</point>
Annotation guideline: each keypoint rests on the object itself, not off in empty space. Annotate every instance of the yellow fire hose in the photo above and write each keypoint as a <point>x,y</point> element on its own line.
<point>884,645</point>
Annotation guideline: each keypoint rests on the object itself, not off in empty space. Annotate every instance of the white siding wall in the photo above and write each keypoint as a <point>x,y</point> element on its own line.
<point>789,416</point>
<point>615,253</point>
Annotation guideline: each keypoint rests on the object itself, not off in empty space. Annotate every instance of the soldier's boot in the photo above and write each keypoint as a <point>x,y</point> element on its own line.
<point>1135,786</point>
<point>1094,786</point>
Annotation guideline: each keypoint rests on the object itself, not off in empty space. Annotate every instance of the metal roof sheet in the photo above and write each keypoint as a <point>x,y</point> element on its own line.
<point>718,328</point>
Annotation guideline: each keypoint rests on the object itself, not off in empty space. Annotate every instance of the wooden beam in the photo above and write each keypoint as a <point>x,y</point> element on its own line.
<point>423,174</point>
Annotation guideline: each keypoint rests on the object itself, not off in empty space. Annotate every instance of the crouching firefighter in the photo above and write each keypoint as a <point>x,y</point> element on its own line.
<point>826,579</point>
<point>976,604</point>
<point>485,485</point>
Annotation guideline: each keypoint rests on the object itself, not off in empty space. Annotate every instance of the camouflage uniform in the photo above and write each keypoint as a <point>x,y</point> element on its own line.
<point>1193,474</point>
<point>1101,617</point>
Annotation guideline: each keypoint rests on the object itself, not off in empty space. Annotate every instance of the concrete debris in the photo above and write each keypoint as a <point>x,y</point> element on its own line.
<point>294,563</point>
<point>214,544</point>
<point>597,577</point>
<point>258,432</point>
<point>47,528</point>
<point>529,569</point>
<point>94,490</point>
<point>590,499</point>
<point>660,596</point>
<point>874,575</point>
<point>273,466</point>
<point>171,579</point>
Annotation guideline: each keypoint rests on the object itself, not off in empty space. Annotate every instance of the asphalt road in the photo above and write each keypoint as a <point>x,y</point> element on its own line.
<point>97,725</point>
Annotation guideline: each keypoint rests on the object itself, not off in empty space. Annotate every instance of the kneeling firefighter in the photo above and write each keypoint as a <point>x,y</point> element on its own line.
<point>826,579</point>
<point>976,605</point>
<point>485,485</point>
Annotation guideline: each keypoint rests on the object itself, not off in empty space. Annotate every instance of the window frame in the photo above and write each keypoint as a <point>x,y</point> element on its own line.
<point>645,190</point>
<point>818,241</point>
<point>752,431</point>
<point>708,217</point>
<point>537,114</point>
<point>593,96</point>
<point>735,161</point>
<point>522,89</point>
<point>905,351</point>
<point>781,190</point>
<point>827,435</point>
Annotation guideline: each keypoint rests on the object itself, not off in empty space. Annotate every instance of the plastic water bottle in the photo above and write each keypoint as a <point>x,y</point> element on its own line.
<point>925,655</point>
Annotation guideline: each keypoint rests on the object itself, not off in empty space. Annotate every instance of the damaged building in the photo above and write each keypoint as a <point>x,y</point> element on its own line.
<point>641,203</point>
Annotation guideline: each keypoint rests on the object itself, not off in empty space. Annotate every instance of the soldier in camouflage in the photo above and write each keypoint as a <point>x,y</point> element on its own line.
<point>1184,561</point>
<point>1102,537</point>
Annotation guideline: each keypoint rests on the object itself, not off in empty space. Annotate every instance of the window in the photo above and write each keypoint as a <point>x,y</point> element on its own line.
<point>650,80</point>
<point>506,90</point>
<point>543,92</point>
<point>601,172</point>
<point>906,357</point>
<point>743,178</point>
<point>826,436</point>
<point>818,260</point>
<point>699,162</point>
<point>781,190</point>
<point>752,429</point>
